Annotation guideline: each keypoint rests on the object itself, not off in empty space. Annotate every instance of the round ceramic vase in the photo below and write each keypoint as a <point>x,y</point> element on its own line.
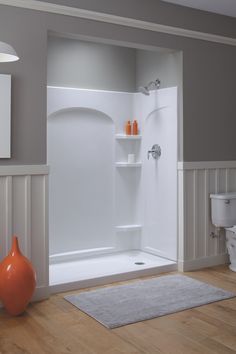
<point>17,280</point>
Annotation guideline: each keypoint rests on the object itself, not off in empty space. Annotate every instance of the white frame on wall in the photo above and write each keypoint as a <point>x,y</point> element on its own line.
<point>5,116</point>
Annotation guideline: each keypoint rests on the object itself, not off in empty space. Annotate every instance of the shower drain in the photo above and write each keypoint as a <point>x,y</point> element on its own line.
<point>139,263</point>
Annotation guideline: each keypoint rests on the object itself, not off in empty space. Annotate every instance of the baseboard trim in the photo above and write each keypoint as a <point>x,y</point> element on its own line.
<point>41,293</point>
<point>195,264</point>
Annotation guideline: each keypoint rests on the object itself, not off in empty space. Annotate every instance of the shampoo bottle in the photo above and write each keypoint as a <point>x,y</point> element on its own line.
<point>128,128</point>
<point>135,127</point>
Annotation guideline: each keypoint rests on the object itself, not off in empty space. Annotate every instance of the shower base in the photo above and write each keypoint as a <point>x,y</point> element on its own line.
<point>106,269</point>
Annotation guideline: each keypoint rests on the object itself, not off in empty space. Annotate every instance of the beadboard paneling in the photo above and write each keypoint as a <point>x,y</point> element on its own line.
<point>196,247</point>
<point>24,212</point>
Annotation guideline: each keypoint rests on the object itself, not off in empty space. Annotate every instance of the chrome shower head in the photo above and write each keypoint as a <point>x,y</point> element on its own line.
<point>157,84</point>
<point>152,85</point>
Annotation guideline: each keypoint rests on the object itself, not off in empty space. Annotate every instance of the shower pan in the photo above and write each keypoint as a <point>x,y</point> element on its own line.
<point>109,219</point>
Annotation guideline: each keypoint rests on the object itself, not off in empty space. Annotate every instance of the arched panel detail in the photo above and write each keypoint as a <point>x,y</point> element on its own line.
<point>63,111</point>
<point>81,159</point>
<point>156,110</point>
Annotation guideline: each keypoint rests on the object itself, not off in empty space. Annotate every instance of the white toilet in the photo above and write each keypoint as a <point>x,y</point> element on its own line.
<point>223,214</point>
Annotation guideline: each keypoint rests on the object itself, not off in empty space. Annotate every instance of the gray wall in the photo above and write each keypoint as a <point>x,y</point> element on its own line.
<point>29,76</point>
<point>165,66</point>
<point>209,73</point>
<point>74,63</point>
<point>168,67</point>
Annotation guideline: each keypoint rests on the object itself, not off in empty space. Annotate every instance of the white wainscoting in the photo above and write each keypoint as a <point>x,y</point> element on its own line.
<point>196,181</point>
<point>24,212</point>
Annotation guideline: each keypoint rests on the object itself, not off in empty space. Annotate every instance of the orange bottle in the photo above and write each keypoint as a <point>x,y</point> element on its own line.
<point>128,128</point>
<point>135,127</point>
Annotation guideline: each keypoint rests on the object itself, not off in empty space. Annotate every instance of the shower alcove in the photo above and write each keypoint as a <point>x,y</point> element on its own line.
<point>110,220</point>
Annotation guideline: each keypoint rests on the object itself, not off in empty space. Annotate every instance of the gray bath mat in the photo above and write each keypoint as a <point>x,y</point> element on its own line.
<point>120,305</point>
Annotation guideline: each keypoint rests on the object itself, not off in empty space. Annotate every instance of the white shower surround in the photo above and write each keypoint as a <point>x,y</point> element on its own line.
<point>136,223</point>
<point>24,211</point>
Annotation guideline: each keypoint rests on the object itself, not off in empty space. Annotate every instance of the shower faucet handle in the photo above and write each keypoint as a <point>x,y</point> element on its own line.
<point>155,152</point>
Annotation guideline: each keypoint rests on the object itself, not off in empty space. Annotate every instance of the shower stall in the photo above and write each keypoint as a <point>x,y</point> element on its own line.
<point>111,219</point>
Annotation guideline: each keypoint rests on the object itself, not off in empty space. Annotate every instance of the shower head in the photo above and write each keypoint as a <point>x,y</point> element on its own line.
<point>151,85</point>
<point>156,84</point>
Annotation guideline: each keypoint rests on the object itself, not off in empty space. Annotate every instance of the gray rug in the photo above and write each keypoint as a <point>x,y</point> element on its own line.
<point>120,305</point>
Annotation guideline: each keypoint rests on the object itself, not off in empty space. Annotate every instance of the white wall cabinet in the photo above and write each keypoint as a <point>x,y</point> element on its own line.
<point>5,116</point>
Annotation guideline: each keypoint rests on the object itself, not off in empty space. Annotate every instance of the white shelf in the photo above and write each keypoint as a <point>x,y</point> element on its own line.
<point>124,228</point>
<point>126,164</point>
<point>128,137</point>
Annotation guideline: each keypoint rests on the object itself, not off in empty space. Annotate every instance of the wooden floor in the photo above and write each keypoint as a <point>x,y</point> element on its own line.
<point>55,326</point>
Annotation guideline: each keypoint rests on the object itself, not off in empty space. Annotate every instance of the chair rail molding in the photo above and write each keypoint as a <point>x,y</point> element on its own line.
<point>196,181</point>
<point>24,212</point>
<point>118,20</point>
<point>198,165</point>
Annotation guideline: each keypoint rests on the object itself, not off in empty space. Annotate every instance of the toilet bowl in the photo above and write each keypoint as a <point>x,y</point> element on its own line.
<point>223,214</point>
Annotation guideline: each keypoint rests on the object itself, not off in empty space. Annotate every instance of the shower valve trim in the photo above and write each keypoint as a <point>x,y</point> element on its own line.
<point>155,152</point>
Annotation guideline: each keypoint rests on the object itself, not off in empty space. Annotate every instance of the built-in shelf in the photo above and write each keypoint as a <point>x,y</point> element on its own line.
<point>128,137</point>
<point>126,164</point>
<point>123,228</point>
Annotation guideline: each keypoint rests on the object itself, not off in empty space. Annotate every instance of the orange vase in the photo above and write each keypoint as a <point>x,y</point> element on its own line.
<point>17,280</point>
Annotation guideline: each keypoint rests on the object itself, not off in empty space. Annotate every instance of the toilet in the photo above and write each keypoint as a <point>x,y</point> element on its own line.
<point>223,214</point>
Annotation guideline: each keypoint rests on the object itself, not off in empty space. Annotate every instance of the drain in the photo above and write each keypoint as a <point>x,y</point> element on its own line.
<point>139,263</point>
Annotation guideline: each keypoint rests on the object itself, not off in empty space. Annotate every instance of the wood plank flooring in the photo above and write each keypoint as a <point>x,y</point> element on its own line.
<point>55,326</point>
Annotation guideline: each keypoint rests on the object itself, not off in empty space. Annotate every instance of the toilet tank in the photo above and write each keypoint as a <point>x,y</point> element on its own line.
<point>223,209</point>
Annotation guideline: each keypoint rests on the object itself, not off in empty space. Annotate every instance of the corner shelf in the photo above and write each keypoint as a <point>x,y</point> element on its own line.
<point>126,164</point>
<point>132,227</point>
<point>128,137</point>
